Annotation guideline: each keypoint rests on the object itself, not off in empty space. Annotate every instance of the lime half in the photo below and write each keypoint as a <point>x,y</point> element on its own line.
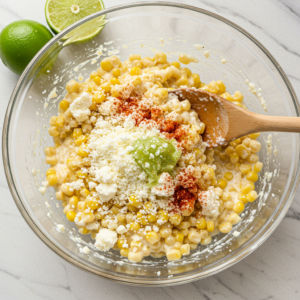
<point>62,13</point>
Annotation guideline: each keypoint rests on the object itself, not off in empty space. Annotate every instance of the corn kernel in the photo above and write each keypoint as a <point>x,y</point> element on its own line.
<point>239,207</point>
<point>194,237</point>
<point>72,86</point>
<point>51,160</point>
<point>53,131</point>
<point>222,183</point>
<point>175,219</point>
<point>234,218</point>
<point>80,140</point>
<point>254,135</point>
<point>92,204</point>
<point>98,97</point>
<point>258,167</point>
<point>242,197</point>
<point>228,176</point>
<point>151,218</point>
<point>81,206</point>
<point>252,158</point>
<point>116,72</point>
<point>120,243</point>
<point>182,81</point>
<point>176,64</point>
<point>106,65</point>
<point>50,171</point>
<point>64,105</point>
<point>114,81</point>
<point>185,249</point>
<point>238,96</point>
<point>221,86</point>
<point>71,216</point>
<point>234,158</point>
<point>252,196</point>
<point>173,255</point>
<point>73,201</point>
<point>106,87</point>
<point>206,241</point>
<point>161,57</point>
<point>135,71</point>
<point>124,252</point>
<point>77,132</point>
<point>52,179</point>
<point>82,152</point>
<point>84,192</point>
<point>225,227</point>
<point>245,169</point>
<point>179,237</point>
<point>252,176</point>
<point>201,223</point>
<point>247,188</point>
<point>152,237</point>
<point>242,151</point>
<point>210,226</point>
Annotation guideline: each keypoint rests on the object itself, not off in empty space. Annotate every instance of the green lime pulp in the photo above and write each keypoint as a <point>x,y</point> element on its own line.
<point>155,155</point>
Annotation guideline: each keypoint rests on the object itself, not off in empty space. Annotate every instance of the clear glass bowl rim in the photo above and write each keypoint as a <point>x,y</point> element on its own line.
<point>260,237</point>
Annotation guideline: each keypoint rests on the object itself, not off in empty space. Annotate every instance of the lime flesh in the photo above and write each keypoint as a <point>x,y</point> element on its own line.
<point>62,13</point>
<point>155,155</point>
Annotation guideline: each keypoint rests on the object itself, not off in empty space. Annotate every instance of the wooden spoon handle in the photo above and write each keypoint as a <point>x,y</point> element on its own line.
<point>280,124</point>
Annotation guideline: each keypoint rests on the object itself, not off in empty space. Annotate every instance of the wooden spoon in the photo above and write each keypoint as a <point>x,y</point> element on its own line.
<point>225,121</point>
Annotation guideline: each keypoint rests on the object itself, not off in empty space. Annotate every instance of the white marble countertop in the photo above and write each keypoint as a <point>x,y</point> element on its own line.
<point>30,270</point>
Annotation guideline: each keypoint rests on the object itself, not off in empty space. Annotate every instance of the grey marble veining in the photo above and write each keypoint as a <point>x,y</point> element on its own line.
<point>29,270</point>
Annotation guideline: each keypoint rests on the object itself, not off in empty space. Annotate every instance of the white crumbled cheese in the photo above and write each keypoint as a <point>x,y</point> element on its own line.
<point>147,165</point>
<point>209,202</point>
<point>92,185</point>
<point>165,186</point>
<point>85,250</point>
<point>60,228</point>
<point>106,191</point>
<point>75,185</point>
<point>42,190</point>
<point>223,61</point>
<point>80,107</point>
<point>112,166</point>
<point>148,228</point>
<point>236,234</point>
<point>105,239</point>
<point>45,183</point>
<point>92,226</point>
<point>155,228</point>
<point>198,46</point>
<point>121,229</point>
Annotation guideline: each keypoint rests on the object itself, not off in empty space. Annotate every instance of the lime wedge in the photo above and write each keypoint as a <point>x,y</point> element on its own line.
<point>62,13</point>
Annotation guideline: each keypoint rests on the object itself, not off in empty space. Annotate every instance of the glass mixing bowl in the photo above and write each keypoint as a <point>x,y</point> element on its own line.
<point>145,28</point>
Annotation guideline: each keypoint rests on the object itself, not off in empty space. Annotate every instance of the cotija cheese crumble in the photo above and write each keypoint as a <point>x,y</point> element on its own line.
<point>130,168</point>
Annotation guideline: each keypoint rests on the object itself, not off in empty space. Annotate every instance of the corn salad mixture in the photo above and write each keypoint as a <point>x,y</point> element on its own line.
<point>130,168</point>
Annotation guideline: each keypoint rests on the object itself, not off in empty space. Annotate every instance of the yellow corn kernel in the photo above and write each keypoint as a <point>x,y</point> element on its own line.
<point>114,81</point>
<point>210,226</point>
<point>98,215</point>
<point>98,97</point>
<point>135,226</point>
<point>238,96</point>
<point>73,202</point>
<point>173,254</point>
<point>60,196</point>
<point>71,216</point>
<point>52,121</point>
<point>84,192</point>
<point>201,223</point>
<point>80,140</point>
<point>228,176</point>
<point>252,158</point>
<point>77,132</point>
<point>221,86</point>
<point>242,197</point>
<point>175,219</point>
<point>133,57</point>
<point>82,152</point>
<point>229,150</point>
<point>194,237</point>
<point>255,146</point>
<point>252,176</point>
<point>245,169</point>
<point>53,131</point>
<point>51,160</point>
<point>93,75</point>
<point>258,167</point>
<point>81,206</point>
<point>206,241</point>
<point>234,218</point>
<point>160,57</point>
<point>50,171</point>
<point>229,204</point>
<point>135,71</point>
<point>116,72</point>
<point>72,86</point>
<point>179,237</point>
<point>49,151</point>
<point>226,196</point>
<point>142,218</point>
<point>52,179</point>
<point>248,187</point>
<point>92,204</point>
<point>148,206</point>
<point>182,81</point>
<point>254,135</point>
<point>120,243</point>
<point>176,64</point>
<point>242,151</point>
<point>97,80</point>
<point>234,157</point>
<point>188,72</point>
<point>91,88</point>
<point>124,252</point>
<point>152,237</point>
<point>196,79</point>
<point>106,87</point>
<point>106,65</point>
<point>64,105</point>
<point>163,216</point>
<point>83,230</point>
<point>225,227</point>
<point>151,218</point>
<point>137,80</point>
<point>135,202</point>
<point>239,207</point>
<point>252,196</point>
<point>227,96</point>
<point>185,249</point>
<point>161,93</point>
<point>222,183</point>
<point>115,210</point>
